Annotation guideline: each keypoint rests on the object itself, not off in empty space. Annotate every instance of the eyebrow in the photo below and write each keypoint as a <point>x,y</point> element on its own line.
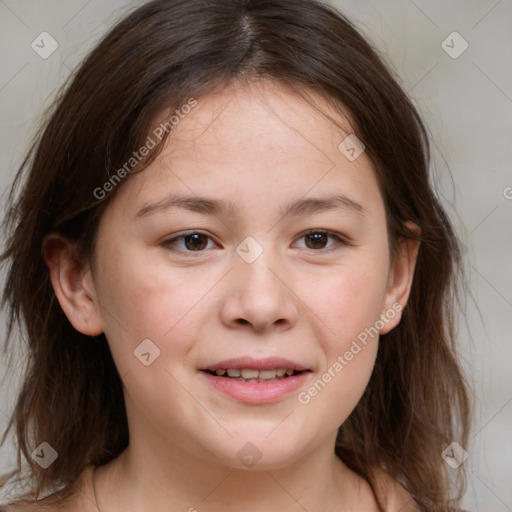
<point>208,206</point>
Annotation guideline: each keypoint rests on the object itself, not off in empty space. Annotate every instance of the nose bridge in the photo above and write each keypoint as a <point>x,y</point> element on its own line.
<point>260,278</point>
<point>258,294</point>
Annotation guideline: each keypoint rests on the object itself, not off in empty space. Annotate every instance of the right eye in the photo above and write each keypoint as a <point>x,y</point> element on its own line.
<point>193,241</point>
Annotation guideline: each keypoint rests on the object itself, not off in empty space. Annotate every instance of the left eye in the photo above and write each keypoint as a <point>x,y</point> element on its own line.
<point>316,239</point>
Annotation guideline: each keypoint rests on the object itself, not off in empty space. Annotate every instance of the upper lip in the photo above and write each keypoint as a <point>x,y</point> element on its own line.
<point>268,363</point>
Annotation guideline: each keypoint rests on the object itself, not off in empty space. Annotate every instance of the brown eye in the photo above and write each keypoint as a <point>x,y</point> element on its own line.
<point>316,240</point>
<point>195,242</point>
<point>190,242</point>
<point>320,240</point>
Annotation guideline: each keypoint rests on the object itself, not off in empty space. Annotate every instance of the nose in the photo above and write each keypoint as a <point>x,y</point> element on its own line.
<point>259,297</point>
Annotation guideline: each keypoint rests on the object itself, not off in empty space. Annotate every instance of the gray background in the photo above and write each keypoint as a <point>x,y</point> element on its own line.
<point>467,103</point>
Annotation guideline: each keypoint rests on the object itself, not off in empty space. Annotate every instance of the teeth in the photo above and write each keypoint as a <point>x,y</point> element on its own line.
<point>250,374</point>
<point>267,374</point>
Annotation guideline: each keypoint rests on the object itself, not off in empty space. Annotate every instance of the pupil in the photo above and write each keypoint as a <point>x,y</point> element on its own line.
<point>195,241</point>
<point>317,238</point>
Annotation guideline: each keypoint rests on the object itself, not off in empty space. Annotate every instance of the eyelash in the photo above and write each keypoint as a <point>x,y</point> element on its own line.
<point>341,241</point>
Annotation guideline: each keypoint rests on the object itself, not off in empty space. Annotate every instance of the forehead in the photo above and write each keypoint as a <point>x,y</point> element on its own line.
<point>262,116</point>
<point>249,142</point>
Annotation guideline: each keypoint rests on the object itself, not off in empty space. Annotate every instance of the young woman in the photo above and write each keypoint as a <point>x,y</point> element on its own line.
<point>235,281</point>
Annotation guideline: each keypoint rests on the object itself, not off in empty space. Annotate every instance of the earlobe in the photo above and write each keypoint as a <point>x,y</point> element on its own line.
<point>401,276</point>
<point>72,283</point>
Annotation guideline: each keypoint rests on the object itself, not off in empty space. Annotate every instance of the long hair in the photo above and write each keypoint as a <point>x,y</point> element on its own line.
<point>152,62</point>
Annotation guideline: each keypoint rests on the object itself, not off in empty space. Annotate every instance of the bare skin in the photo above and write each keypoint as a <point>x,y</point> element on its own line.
<point>305,298</point>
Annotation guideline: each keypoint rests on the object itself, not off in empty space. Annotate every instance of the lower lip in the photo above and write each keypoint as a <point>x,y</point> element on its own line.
<point>257,392</point>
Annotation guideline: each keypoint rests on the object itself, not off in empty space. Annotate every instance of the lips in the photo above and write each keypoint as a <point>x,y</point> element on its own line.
<point>260,386</point>
<point>256,392</point>
<point>250,363</point>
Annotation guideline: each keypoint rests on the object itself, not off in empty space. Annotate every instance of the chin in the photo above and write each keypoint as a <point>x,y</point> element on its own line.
<point>260,454</point>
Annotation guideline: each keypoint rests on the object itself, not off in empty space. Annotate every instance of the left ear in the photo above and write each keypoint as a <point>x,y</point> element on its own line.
<point>401,274</point>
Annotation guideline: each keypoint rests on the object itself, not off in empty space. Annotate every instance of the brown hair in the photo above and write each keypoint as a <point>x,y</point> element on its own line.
<point>153,61</point>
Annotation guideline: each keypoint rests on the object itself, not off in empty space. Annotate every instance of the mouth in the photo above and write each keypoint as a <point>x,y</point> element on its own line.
<point>250,369</point>
<point>256,381</point>
<point>254,375</point>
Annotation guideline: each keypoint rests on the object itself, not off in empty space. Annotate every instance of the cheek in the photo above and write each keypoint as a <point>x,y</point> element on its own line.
<point>348,307</point>
<point>334,393</point>
<point>347,303</point>
<point>140,301</point>
<point>347,299</point>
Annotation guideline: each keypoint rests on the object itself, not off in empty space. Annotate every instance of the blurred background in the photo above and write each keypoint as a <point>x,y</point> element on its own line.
<point>453,58</point>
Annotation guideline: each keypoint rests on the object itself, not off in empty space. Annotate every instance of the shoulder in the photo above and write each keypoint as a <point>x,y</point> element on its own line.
<point>390,494</point>
<point>82,500</point>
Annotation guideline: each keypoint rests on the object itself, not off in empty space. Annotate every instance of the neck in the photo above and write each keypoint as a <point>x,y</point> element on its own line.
<point>135,481</point>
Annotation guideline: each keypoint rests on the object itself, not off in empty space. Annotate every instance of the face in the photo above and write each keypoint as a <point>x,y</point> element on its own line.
<point>252,245</point>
